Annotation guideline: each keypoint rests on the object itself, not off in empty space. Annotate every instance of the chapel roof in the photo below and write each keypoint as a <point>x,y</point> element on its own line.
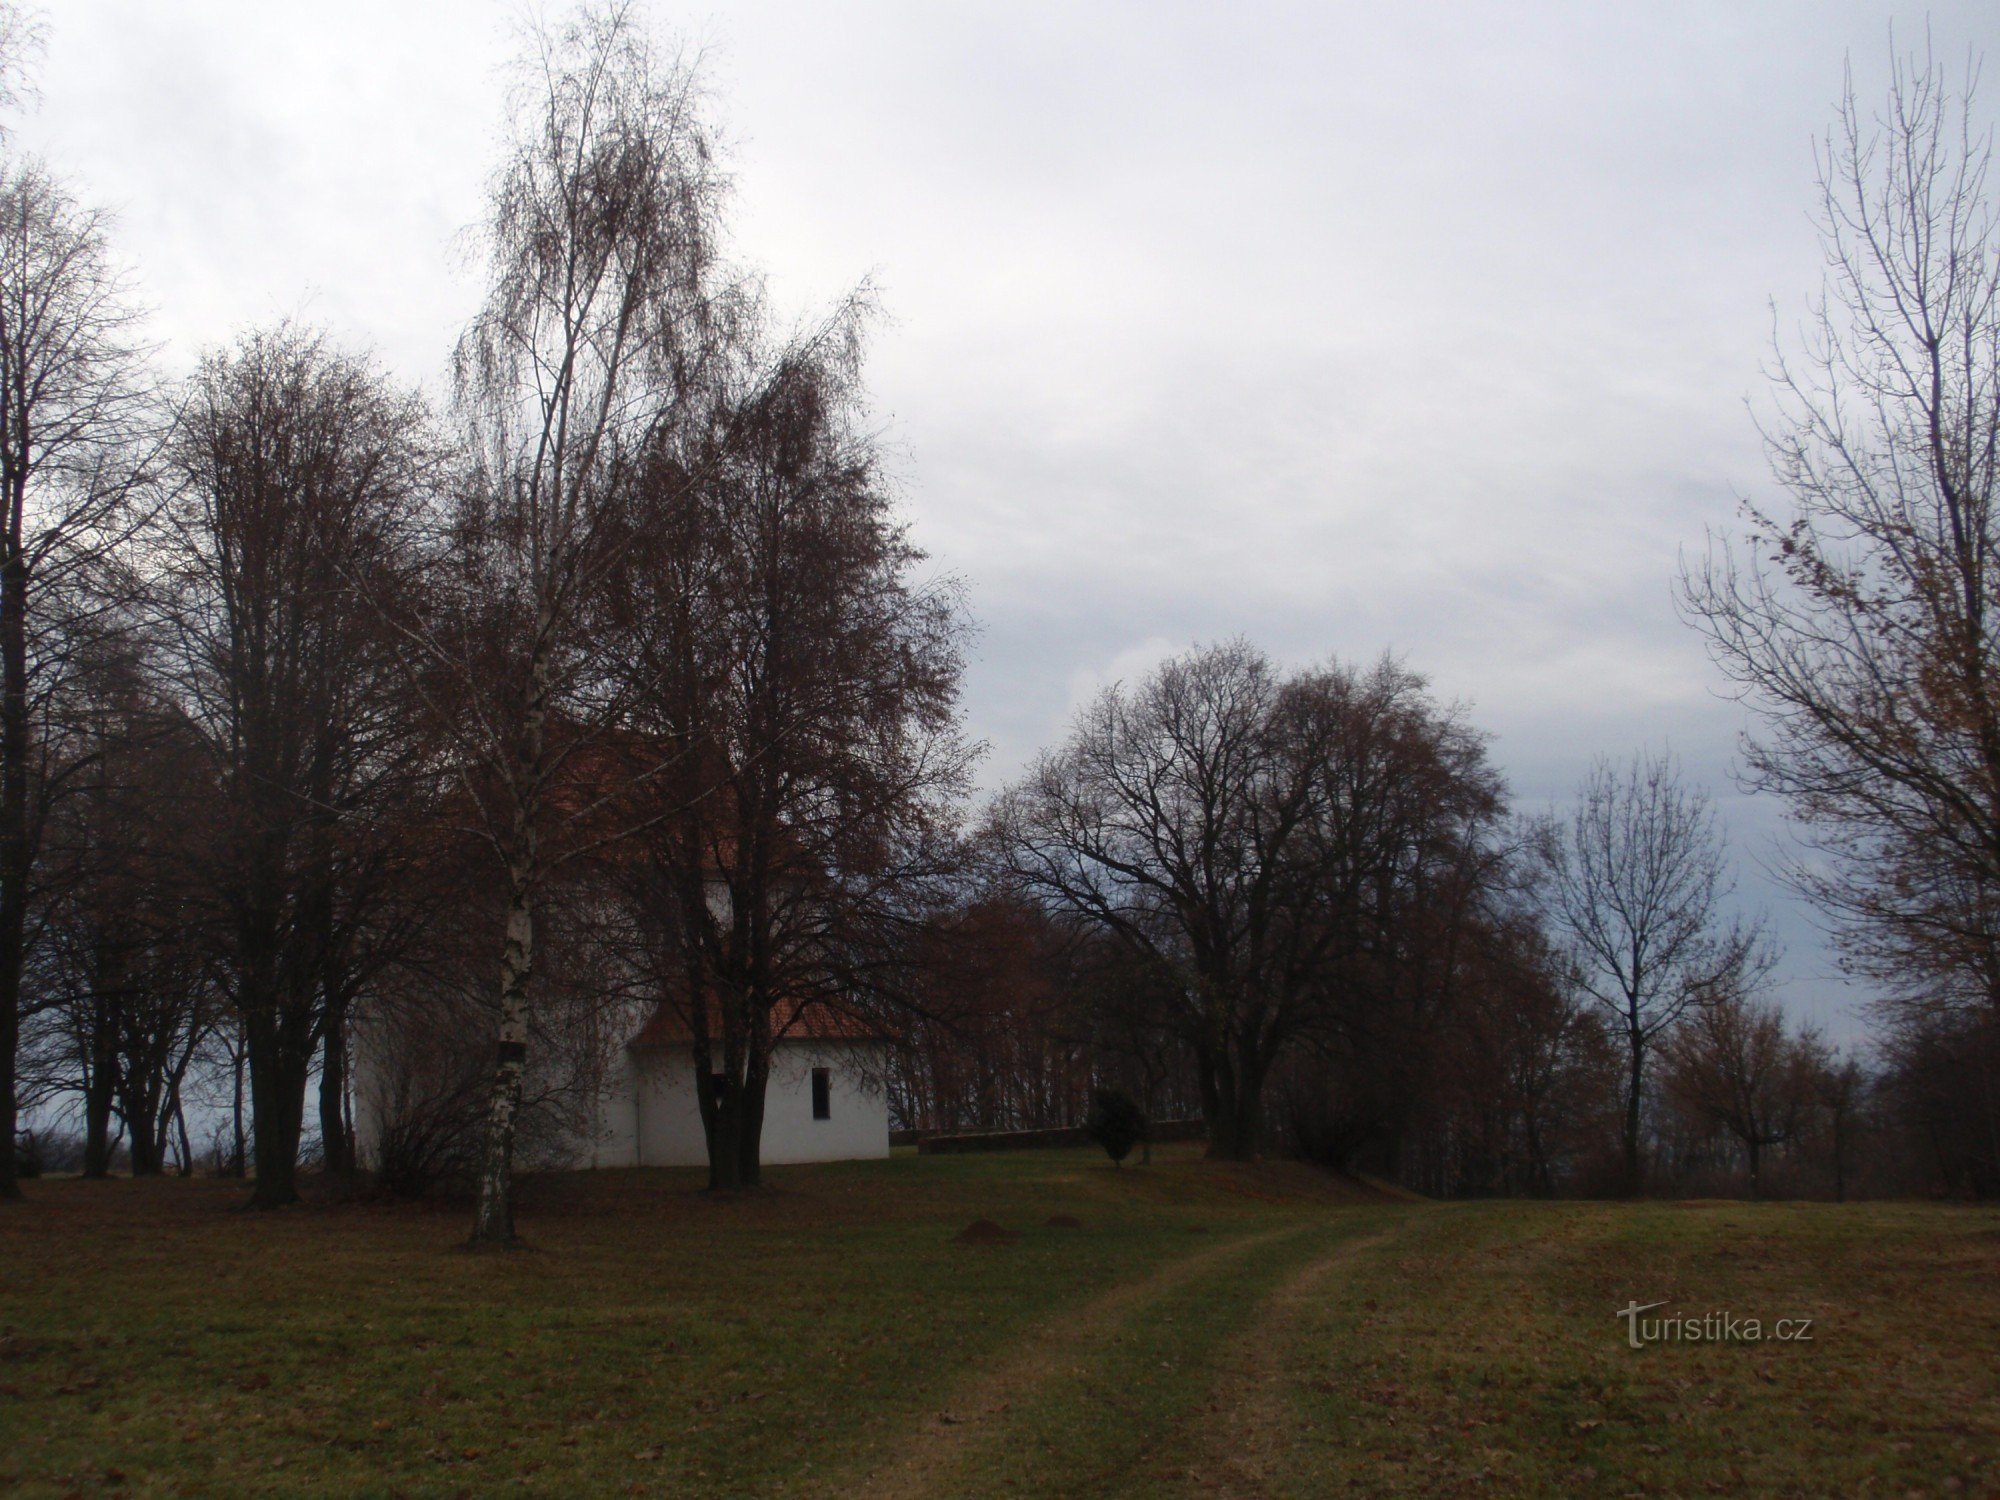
<point>803,1020</point>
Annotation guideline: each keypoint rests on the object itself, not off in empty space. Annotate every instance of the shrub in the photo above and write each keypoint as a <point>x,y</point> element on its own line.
<point>1116,1122</point>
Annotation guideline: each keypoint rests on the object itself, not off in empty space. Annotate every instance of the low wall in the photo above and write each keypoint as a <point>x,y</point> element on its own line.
<point>940,1143</point>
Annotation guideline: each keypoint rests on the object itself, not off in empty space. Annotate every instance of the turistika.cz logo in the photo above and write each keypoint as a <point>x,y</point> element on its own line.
<point>1707,1328</point>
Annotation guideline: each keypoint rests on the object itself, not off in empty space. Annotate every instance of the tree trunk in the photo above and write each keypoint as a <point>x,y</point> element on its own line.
<point>493,1217</point>
<point>750,1118</point>
<point>142,1100</point>
<point>1635,1171</point>
<point>493,1220</point>
<point>16,853</point>
<point>725,1154</point>
<point>238,1163</point>
<point>1236,1117</point>
<point>336,1144</point>
<point>10,1041</point>
<point>146,1155</point>
<point>1753,1151</point>
<point>751,1135</point>
<point>1538,1162</point>
<point>97,1096</point>
<point>1146,1141</point>
<point>278,1099</point>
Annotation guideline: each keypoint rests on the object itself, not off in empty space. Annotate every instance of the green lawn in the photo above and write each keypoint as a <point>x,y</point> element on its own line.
<point>1255,1331</point>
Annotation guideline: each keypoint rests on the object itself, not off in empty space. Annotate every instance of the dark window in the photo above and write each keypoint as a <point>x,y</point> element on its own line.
<point>822,1094</point>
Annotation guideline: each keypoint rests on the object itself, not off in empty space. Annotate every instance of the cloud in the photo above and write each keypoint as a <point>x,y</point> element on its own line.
<point>1343,328</point>
<point>1129,667</point>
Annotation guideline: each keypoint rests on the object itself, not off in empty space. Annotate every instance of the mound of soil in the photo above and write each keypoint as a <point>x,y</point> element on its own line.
<point>984,1232</point>
<point>1063,1221</point>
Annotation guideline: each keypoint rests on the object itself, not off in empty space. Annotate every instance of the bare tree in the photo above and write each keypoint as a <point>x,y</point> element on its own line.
<point>1525,1063</point>
<point>72,400</point>
<point>1840,1088</point>
<point>805,680</point>
<point>121,947</point>
<point>1636,882</point>
<point>1859,620</point>
<point>594,338</point>
<point>1262,839</point>
<point>1166,819</point>
<point>1012,1019</point>
<point>23,37</point>
<point>298,473</point>
<point>1734,1064</point>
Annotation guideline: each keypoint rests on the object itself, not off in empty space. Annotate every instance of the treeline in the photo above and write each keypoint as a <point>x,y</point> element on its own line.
<point>1298,907</point>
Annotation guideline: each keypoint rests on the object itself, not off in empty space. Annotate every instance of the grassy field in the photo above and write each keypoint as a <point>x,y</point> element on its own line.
<point>1204,1330</point>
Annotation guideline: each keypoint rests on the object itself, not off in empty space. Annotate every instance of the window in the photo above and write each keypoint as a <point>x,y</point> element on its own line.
<point>822,1094</point>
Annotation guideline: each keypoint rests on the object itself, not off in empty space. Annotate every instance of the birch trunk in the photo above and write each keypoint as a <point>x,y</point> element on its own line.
<point>16,850</point>
<point>493,1220</point>
<point>493,1223</point>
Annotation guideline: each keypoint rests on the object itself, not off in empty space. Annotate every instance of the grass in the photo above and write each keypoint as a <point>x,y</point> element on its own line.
<point>1255,1331</point>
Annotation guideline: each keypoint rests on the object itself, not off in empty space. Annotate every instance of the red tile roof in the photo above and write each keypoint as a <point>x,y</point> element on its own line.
<point>806,1020</point>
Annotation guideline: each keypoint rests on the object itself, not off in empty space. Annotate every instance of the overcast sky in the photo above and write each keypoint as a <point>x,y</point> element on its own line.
<point>1345,327</point>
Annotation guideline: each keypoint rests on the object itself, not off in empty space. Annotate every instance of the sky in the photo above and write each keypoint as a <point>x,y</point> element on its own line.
<point>1349,328</point>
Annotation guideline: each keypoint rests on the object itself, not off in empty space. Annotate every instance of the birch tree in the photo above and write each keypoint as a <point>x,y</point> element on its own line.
<point>594,338</point>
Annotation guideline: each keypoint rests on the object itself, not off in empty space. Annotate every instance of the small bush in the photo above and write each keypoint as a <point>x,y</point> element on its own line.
<point>1116,1122</point>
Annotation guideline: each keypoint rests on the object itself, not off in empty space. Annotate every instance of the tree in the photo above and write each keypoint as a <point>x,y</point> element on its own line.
<point>122,949</point>
<point>999,1019</point>
<point>1261,839</point>
<point>1400,838</point>
<point>298,470</point>
<point>1840,1087</point>
<point>22,38</point>
<point>1635,882</point>
<point>1166,819</point>
<point>1521,1064</point>
<point>1733,1064</point>
<point>1942,1085</point>
<point>804,684</point>
<point>1858,619</point>
<point>72,403</point>
<point>595,337</point>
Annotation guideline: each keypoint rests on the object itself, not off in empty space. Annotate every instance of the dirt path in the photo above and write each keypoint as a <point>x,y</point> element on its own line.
<point>923,1465</point>
<point>1248,1413</point>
